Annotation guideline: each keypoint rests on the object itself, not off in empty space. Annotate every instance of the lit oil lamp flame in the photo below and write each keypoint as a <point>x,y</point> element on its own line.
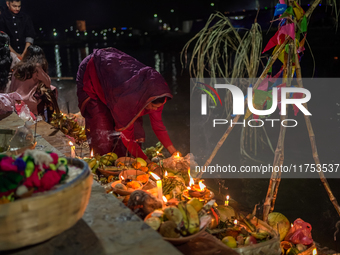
<point>291,225</point>
<point>70,143</point>
<point>201,185</point>
<point>155,176</point>
<point>122,178</point>
<point>315,251</point>
<point>235,222</point>
<point>227,201</point>
<point>191,182</point>
<point>166,174</point>
<point>164,199</point>
<point>157,152</point>
<point>91,154</point>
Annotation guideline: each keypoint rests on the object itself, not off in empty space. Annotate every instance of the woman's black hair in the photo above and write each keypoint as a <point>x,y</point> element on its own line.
<point>159,100</point>
<point>5,60</point>
<point>26,67</point>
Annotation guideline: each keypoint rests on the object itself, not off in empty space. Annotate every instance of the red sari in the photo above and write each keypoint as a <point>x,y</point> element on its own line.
<point>113,90</point>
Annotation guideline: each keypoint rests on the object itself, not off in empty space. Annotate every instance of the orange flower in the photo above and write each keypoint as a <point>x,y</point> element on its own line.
<point>133,185</point>
<point>143,178</point>
<point>144,168</point>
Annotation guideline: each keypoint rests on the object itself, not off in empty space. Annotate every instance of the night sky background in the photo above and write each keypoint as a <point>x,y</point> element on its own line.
<point>101,13</point>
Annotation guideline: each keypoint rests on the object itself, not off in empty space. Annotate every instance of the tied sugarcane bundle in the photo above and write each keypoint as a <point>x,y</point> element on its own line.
<point>151,152</point>
<point>173,185</point>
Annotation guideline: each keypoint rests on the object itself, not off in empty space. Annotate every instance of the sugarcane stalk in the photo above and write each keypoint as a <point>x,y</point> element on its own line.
<point>250,139</point>
<point>311,8</point>
<point>270,63</point>
<point>276,176</point>
<point>230,128</point>
<point>279,152</point>
<point>288,84</point>
<point>312,140</point>
<point>275,183</point>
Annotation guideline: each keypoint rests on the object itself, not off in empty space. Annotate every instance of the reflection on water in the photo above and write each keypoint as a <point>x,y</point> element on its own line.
<point>157,62</point>
<point>68,54</point>
<point>174,75</point>
<point>57,61</point>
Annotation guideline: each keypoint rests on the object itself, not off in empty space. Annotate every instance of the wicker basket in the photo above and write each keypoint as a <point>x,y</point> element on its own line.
<point>270,247</point>
<point>38,218</point>
<point>309,251</point>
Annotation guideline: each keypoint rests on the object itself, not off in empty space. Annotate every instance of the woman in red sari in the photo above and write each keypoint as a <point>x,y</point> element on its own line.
<point>114,92</point>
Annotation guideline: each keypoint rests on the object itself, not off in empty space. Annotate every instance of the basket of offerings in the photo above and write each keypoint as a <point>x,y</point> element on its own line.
<point>41,195</point>
<point>129,181</point>
<point>297,239</point>
<point>246,236</point>
<point>110,165</point>
<point>180,222</point>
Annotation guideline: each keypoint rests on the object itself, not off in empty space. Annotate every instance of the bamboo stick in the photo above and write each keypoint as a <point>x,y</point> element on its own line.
<point>312,140</point>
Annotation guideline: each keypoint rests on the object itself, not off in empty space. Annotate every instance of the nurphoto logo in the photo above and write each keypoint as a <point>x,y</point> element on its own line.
<point>239,103</point>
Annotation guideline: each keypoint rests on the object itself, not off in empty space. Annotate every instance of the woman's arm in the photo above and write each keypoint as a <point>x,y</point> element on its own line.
<point>160,130</point>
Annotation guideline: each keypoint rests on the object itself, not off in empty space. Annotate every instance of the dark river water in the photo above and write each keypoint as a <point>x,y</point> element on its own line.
<point>297,198</point>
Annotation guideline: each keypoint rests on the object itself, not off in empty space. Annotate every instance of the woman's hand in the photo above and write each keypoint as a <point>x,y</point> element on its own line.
<point>176,153</point>
<point>171,149</point>
<point>42,76</point>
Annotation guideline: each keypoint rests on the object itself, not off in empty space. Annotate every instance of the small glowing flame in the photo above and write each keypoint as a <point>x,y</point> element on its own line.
<point>202,186</point>
<point>166,174</point>
<point>235,222</point>
<point>291,225</point>
<point>315,251</point>
<point>227,198</point>
<point>122,178</point>
<point>191,182</point>
<point>177,155</point>
<point>155,176</point>
<point>70,143</point>
<point>157,152</point>
<point>91,154</point>
<point>188,188</point>
<point>164,199</point>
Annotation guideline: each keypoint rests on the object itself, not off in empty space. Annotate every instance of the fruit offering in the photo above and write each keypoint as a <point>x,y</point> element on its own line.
<point>69,126</point>
<point>185,219</point>
<point>241,232</point>
<point>101,161</point>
